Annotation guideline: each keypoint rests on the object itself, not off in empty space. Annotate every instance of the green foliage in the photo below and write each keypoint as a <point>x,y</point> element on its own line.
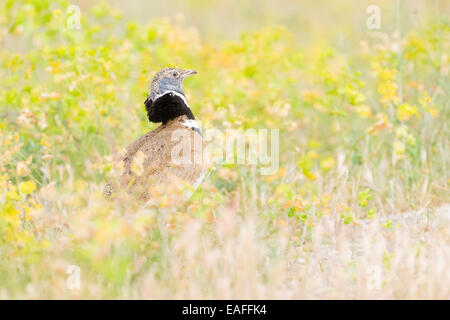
<point>70,98</point>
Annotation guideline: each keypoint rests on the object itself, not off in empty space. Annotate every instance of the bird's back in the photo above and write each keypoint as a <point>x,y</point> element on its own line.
<point>171,153</point>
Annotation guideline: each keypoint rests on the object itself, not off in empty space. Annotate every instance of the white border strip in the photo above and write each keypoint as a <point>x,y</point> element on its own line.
<point>175,93</point>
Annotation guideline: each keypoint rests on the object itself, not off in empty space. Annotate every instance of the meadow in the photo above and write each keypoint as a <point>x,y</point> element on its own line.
<point>359,207</point>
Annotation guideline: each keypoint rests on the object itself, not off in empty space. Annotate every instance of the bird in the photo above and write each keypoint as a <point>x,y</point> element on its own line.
<point>171,153</point>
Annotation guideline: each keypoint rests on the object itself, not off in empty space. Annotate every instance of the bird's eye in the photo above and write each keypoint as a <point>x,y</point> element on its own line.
<point>175,74</point>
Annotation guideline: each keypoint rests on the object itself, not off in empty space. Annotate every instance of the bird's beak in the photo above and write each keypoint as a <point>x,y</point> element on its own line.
<point>188,73</point>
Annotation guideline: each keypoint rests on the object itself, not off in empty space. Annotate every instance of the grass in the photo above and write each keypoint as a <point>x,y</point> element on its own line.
<point>357,209</point>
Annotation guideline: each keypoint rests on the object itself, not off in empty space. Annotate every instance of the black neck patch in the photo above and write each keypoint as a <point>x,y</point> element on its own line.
<point>167,107</point>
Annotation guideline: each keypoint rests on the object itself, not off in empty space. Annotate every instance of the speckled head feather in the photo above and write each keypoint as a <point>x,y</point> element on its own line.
<point>167,79</point>
<point>166,99</point>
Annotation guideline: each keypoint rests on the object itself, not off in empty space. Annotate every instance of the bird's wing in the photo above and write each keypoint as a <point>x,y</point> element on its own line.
<point>176,151</point>
<point>125,160</point>
<point>170,152</point>
<point>136,146</point>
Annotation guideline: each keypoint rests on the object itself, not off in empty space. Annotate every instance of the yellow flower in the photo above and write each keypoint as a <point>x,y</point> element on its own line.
<point>45,142</point>
<point>381,124</point>
<point>310,175</point>
<point>389,92</point>
<point>405,112</point>
<point>364,111</point>
<point>399,148</point>
<point>325,199</point>
<point>27,187</point>
<point>20,168</point>
<point>387,87</point>
<point>294,203</point>
<point>427,103</point>
<point>312,154</point>
<point>327,164</point>
<point>403,134</point>
<point>414,47</point>
<point>310,96</point>
<point>22,165</point>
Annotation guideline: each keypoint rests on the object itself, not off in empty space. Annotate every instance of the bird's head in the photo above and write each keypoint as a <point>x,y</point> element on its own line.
<point>169,79</point>
<point>166,99</point>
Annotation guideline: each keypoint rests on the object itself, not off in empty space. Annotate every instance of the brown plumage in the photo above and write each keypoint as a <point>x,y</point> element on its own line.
<point>171,153</point>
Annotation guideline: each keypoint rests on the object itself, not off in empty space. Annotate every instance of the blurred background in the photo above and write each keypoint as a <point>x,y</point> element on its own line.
<point>358,208</point>
<point>327,20</point>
